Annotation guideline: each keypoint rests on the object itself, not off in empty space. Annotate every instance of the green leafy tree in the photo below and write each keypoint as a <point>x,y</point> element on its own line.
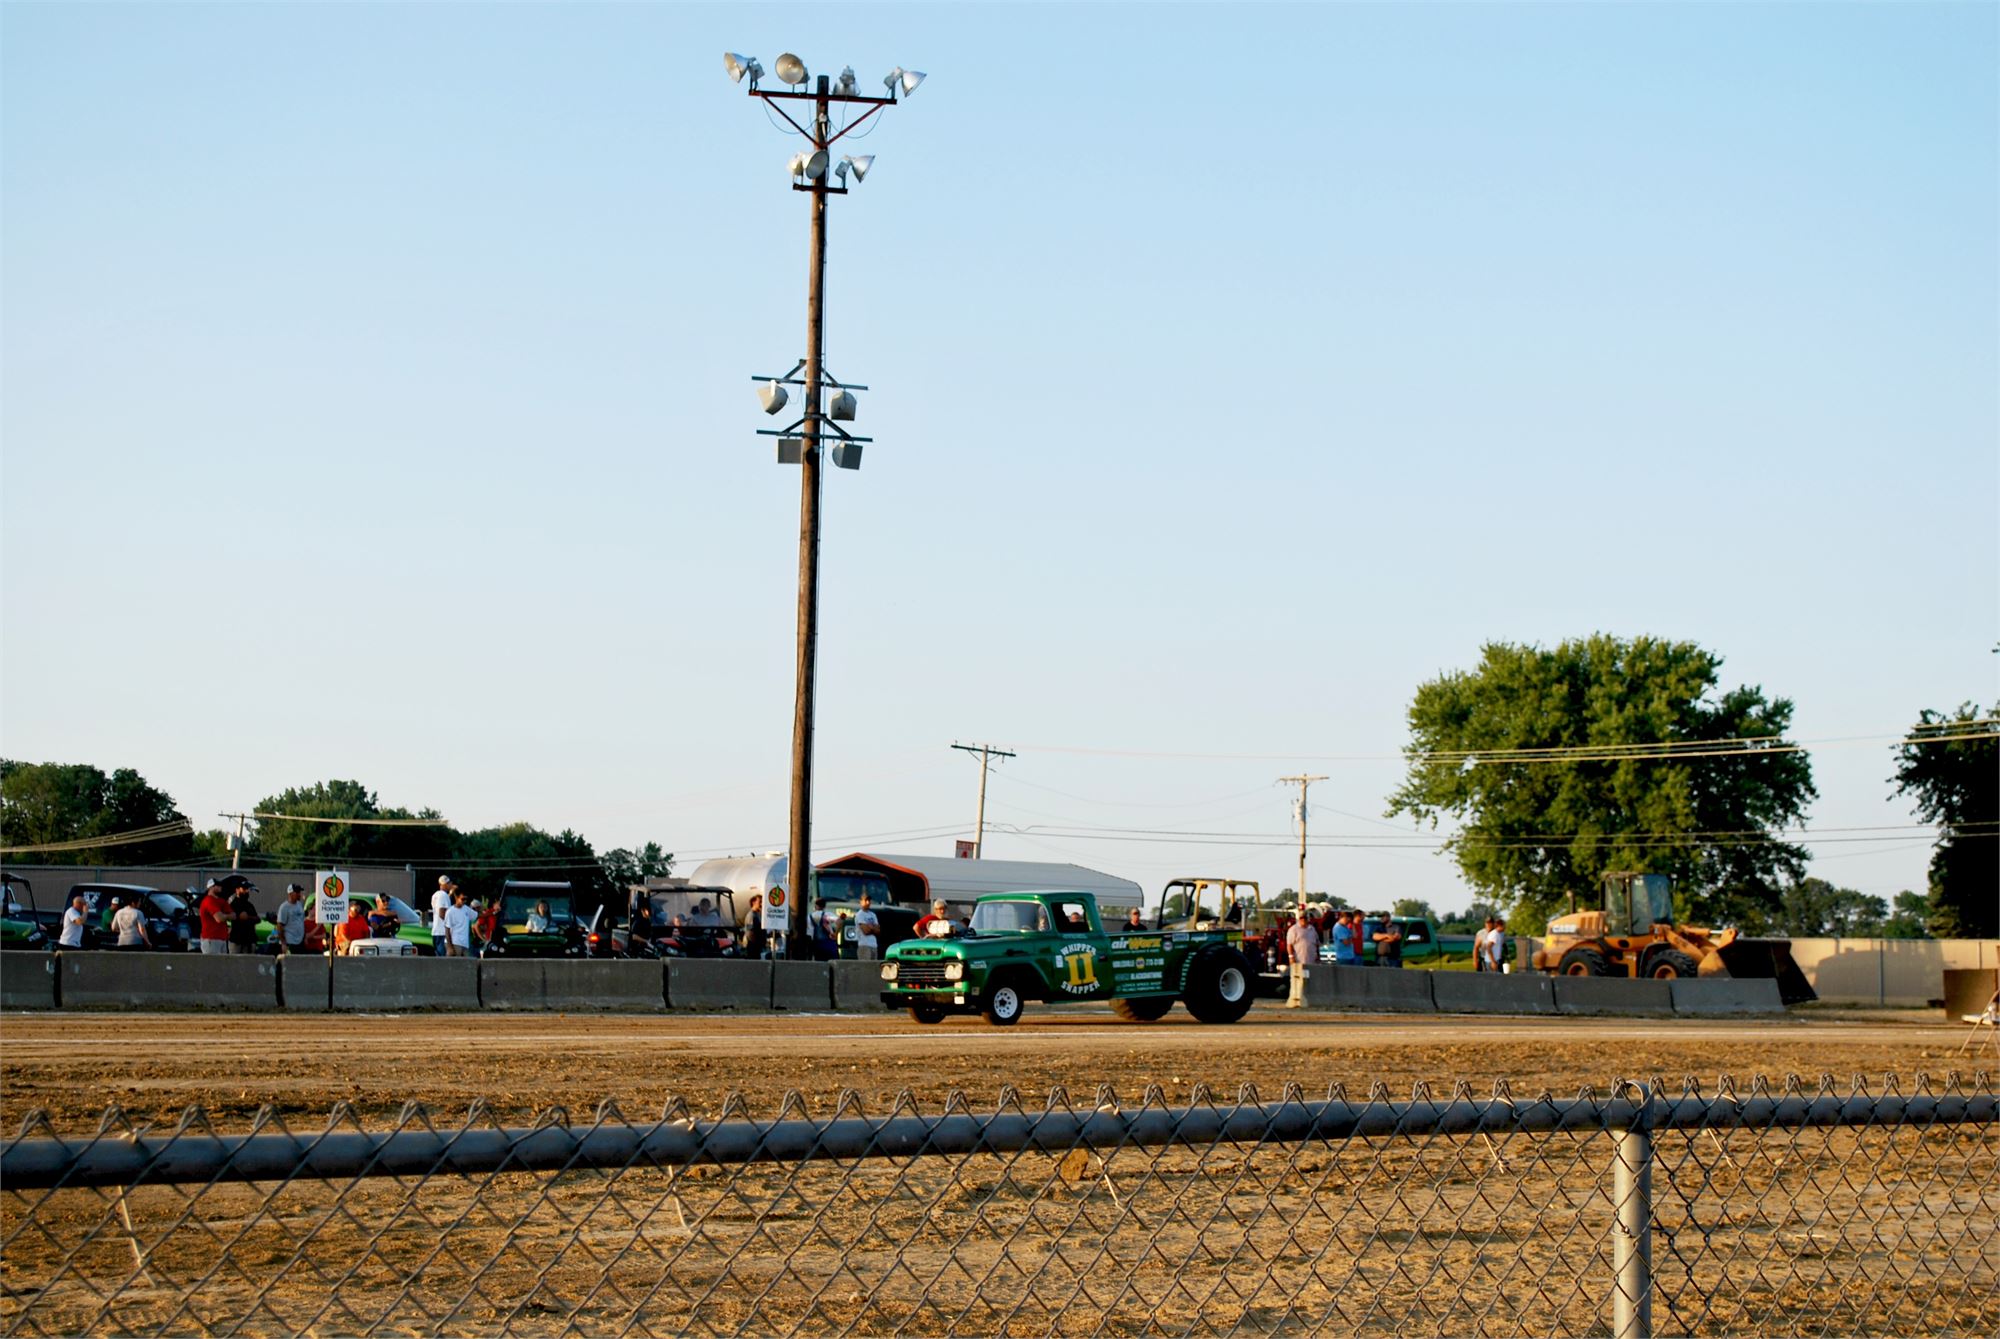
<point>297,840</point>
<point>1413,907</point>
<point>1536,827</point>
<point>1911,918</point>
<point>45,803</point>
<point>1950,764</point>
<point>486,858</point>
<point>624,867</point>
<point>1470,921</point>
<point>1815,907</point>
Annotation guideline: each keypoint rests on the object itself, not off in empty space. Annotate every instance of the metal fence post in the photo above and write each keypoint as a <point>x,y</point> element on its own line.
<point>1632,1233</point>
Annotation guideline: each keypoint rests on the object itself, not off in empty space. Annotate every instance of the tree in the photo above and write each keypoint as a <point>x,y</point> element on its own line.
<point>1564,765</point>
<point>1912,917</point>
<point>1470,921</point>
<point>1413,907</point>
<point>1951,766</point>
<point>297,841</point>
<point>1814,907</point>
<point>486,858</point>
<point>623,868</point>
<point>47,803</point>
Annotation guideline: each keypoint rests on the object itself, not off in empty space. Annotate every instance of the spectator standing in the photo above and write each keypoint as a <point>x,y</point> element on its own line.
<point>1496,945</point>
<point>486,929</point>
<point>1346,940</point>
<point>1302,941</point>
<point>243,920</point>
<point>756,940</point>
<point>291,919</point>
<point>72,923</point>
<point>1479,946</point>
<point>130,924</point>
<point>458,926</point>
<point>214,910</point>
<point>440,907</point>
<point>639,924</point>
<point>1389,944</point>
<point>826,946</point>
<point>867,931</point>
<point>1134,922</point>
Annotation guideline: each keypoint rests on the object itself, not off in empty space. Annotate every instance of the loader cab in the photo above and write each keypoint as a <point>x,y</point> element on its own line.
<point>1635,903</point>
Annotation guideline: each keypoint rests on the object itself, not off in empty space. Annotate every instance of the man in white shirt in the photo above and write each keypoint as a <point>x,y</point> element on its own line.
<point>458,927</point>
<point>1496,944</point>
<point>1479,946</point>
<point>1302,940</point>
<point>440,907</point>
<point>130,923</point>
<point>866,926</point>
<point>72,923</point>
<point>291,920</point>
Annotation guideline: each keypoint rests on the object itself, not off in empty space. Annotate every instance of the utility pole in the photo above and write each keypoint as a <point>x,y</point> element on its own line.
<point>801,442</point>
<point>987,753</point>
<point>236,849</point>
<point>1304,783</point>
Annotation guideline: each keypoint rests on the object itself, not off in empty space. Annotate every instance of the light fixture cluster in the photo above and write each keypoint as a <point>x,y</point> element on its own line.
<point>791,70</point>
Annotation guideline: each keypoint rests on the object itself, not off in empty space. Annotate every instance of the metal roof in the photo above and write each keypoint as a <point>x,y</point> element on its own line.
<point>963,880</point>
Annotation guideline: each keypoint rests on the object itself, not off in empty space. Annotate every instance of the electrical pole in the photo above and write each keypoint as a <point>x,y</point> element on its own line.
<point>802,442</point>
<point>987,753</point>
<point>236,851</point>
<point>1304,783</point>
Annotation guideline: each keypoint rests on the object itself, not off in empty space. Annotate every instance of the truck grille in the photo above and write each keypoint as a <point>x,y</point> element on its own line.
<point>920,975</point>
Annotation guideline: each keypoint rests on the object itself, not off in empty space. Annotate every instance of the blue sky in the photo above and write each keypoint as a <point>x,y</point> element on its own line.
<point>377,404</point>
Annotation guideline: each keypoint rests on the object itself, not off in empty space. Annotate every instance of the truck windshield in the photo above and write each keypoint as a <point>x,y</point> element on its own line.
<point>997,918</point>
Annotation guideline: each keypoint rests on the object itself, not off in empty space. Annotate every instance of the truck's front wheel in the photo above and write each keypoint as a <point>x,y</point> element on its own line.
<point>1002,1004</point>
<point>1219,986</point>
<point>927,1011</point>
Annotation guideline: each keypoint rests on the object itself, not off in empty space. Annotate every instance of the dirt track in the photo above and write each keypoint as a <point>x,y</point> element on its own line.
<point>154,1065</point>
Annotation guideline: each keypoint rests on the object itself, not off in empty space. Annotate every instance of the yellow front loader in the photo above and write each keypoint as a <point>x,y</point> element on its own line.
<point>1635,935</point>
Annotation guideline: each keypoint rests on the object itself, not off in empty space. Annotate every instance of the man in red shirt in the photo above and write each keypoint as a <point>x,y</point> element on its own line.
<point>937,915</point>
<point>214,919</point>
<point>353,928</point>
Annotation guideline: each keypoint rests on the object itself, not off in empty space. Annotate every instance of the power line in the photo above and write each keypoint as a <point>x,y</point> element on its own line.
<point>132,837</point>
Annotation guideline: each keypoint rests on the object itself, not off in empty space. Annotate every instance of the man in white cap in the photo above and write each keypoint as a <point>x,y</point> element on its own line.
<point>440,904</point>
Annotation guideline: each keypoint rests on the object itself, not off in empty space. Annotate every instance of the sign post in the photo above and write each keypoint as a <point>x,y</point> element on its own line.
<point>330,908</point>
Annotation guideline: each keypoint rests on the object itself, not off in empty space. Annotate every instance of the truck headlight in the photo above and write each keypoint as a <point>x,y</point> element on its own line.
<point>888,971</point>
<point>954,971</point>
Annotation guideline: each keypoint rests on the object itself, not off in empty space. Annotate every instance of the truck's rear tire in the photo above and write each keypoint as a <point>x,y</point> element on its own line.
<point>1670,964</point>
<point>926,1011</point>
<point>1143,1008</point>
<point>1220,986</point>
<point>1583,962</point>
<point>1002,1003</point>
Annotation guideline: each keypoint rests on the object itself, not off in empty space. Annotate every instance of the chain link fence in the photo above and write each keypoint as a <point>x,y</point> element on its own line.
<point>1765,1208</point>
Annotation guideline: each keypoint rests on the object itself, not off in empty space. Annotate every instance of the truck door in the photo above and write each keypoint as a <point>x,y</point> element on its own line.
<point>1081,970</point>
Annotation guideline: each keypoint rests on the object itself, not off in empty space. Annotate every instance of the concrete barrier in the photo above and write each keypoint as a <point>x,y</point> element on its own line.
<point>113,980</point>
<point>1376,989</point>
<point>718,983</point>
<point>1493,992</point>
<point>857,985</point>
<point>302,981</point>
<point>575,984</point>
<point>384,984</point>
<point>1726,995</point>
<point>802,986</point>
<point>28,980</point>
<point>1611,995</point>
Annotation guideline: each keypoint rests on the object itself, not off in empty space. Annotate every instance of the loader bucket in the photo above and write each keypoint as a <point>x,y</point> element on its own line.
<point>1749,958</point>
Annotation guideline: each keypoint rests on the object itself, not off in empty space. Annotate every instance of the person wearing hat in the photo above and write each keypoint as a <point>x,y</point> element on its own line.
<point>243,919</point>
<point>291,919</point>
<point>937,922</point>
<point>440,907</point>
<point>214,919</point>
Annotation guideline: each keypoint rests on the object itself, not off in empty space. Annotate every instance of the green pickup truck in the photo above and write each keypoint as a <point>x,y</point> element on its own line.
<point>1052,946</point>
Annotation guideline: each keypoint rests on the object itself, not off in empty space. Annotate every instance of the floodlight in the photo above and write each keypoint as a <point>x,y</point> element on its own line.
<point>906,79</point>
<point>738,66</point>
<point>845,84</point>
<point>773,395</point>
<point>792,70</point>
<point>840,171</point>
<point>847,455</point>
<point>860,164</point>
<point>842,407</point>
<point>815,164</point>
<point>791,450</point>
